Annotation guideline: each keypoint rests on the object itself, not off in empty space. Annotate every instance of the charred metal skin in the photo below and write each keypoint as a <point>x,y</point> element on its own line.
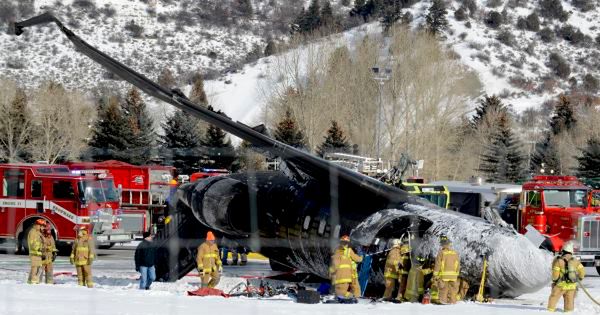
<point>296,216</point>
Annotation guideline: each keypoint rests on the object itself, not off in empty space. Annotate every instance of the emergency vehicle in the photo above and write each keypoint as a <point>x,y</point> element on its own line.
<point>144,191</point>
<point>437,194</point>
<point>64,198</point>
<point>208,172</point>
<point>561,209</point>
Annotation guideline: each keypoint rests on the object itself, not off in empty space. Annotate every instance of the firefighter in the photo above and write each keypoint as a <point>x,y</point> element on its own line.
<point>404,269</point>
<point>342,271</point>
<point>208,262</point>
<point>49,252</point>
<point>35,244</point>
<point>416,280</point>
<point>566,272</point>
<point>82,256</point>
<point>446,271</point>
<point>392,270</point>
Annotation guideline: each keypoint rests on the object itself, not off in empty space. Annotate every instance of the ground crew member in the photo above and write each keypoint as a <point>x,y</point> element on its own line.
<point>242,252</point>
<point>208,262</point>
<point>82,256</point>
<point>566,271</point>
<point>446,271</point>
<point>341,272</point>
<point>416,280</point>
<point>49,252</point>
<point>35,244</point>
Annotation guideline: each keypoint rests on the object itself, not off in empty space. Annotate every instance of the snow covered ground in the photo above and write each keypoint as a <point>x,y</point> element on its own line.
<point>116,293</point>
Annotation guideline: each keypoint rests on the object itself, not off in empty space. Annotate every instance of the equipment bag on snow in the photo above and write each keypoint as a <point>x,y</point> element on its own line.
<point>308,297</point>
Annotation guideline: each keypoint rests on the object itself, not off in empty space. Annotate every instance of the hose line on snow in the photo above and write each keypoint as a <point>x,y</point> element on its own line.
<point>587,293</point>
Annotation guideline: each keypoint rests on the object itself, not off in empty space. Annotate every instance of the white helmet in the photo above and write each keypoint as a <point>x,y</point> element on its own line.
<point>396,242</point>
<point>568,247</point>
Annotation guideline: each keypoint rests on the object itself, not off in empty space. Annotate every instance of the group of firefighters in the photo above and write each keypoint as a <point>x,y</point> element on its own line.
<point>43,251</point>
<point>403,273</point>
<point>411,277</point>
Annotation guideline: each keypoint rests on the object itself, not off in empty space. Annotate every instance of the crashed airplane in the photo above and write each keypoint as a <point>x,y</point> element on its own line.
<point>295,216</point>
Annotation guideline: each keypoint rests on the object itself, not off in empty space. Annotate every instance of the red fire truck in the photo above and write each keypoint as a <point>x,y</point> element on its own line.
<point>64,198</point>
<point>144,190</point>
<point>208,172</point>
<point>561,209</point>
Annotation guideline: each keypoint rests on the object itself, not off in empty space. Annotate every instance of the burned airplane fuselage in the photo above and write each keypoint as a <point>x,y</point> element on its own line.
<point>295,216</point>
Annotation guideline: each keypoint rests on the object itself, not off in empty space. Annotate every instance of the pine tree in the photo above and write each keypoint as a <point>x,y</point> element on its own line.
<point>182,142</point>
<point>142,135</point>
<point>198,96</point>
<point>287,131</point>
<point>363,8</point>
<point>436,18</point>
<point>110,133</point>
<point>589,161</point>
<point>335,141</point>
<point>563,120</point>
<point>327,18</point>
<point>271,48</point>
<point>502,160</point>
<point>219,148</point>
<point>487,105</point>
<point>564,116</point>
<point>390,12</point>
<point>313,16</point>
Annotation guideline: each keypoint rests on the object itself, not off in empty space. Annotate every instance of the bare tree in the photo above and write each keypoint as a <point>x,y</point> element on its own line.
<point>15,121</point>
<point>62,120</point>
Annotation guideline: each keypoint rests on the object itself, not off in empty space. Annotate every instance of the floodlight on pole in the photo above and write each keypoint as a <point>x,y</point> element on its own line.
<point>380,75</point>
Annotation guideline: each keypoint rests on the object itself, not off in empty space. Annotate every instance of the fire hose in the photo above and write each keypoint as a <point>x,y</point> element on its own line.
<point>587,293</point>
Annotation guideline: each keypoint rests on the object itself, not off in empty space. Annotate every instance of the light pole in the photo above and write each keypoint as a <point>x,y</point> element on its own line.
<point>381,76</point>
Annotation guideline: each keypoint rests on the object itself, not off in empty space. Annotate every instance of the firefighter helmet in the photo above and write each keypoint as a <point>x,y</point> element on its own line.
<point>444,240</point>
<point>345,238</point>
<point>210,236</point>
<point>568,247</point>
<point>421,259</point>
<point>396,242</point>
<point>40,222</point>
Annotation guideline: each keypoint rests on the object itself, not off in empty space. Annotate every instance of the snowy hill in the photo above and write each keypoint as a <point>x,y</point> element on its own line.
<point>515,63</point>
<point>489,36</point>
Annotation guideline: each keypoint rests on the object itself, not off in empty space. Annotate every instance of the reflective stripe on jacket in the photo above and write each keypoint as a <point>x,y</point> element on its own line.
<point>207,258</point>
<point>447,265</point>
<point>35,242</point>
<point>82,252</point>
<point>343,265</point>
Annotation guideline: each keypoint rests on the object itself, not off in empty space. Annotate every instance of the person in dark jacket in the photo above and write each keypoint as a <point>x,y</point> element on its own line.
<point>144,261</point>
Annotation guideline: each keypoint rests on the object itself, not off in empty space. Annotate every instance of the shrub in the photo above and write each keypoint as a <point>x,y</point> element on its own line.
<point>559,65</point>
<point>471,5</point>
<point>460,14</point>
<point>494,3</point>
<point>507,38</point>
<point>584,5</point>
<point>136,31</point>
<point>462,35</point>
<point>590,83</point>
<point>108,11</point>
<point>571,34</point>
<point>533,22</point>
<point>547,35</point>
<point>85,4</point>
<point>468,25</point>
<point>494,19</point>
<point>553,9</point>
